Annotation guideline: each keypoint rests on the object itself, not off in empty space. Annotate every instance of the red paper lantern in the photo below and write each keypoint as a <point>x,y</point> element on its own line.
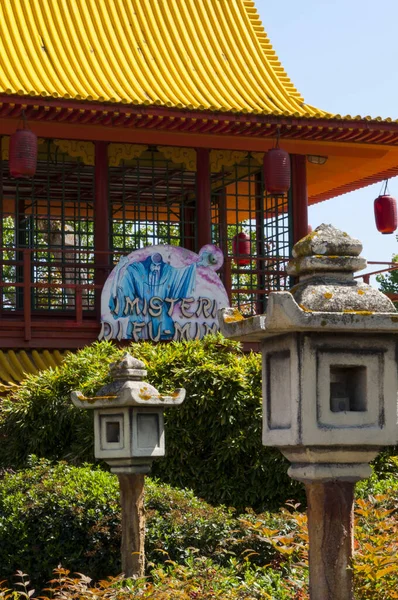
<point>277,171</point>
<point>386,214</point>
<point>23,153</point>
<point>241,248</point>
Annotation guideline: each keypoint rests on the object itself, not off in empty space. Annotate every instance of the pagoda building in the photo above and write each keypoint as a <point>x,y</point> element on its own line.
<point>152,121</point>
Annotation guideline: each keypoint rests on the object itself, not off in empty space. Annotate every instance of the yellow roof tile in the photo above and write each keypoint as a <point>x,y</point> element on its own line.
<point>207,55</point>
<point>15,366</point>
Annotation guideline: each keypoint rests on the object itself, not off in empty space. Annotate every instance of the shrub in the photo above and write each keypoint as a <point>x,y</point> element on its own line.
<point>60,514</point>
<point>375,563</point>
<point>213,440</point>
<point>199,579</point>
<point>39,418</point>
<point>52,514</point>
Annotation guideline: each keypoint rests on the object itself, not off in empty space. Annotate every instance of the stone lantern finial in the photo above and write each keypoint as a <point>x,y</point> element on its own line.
<point>127,368</point>
<point>325,261</point>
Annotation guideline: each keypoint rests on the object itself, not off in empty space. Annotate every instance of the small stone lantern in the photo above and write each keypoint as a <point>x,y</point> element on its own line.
<point>329,389</point>
<point>128,418</point>
<point>129,435</point>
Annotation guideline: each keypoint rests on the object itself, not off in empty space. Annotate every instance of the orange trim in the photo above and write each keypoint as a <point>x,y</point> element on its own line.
<point>190,140</point>
<point>350,166</point>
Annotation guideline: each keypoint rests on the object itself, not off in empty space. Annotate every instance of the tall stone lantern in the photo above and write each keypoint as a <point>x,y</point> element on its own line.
<point>329,389</point>
<point>129,435</point>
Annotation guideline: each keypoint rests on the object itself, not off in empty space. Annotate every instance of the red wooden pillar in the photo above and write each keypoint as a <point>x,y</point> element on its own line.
<point>299,196</point>
<point>260,245</point>
<point>203,203</point>
<point>1,220</point>
<point>101,219</point>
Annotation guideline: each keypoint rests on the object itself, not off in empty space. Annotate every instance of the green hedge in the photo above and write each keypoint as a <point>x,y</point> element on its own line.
<point>213,441</point>
<point>60,514</point>
<point>39,418</point>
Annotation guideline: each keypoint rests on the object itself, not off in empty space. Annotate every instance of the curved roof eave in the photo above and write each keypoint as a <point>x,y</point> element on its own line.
<point>184,54</point>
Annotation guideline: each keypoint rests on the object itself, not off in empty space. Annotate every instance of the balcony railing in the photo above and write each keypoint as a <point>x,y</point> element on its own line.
<point>59,290</point>
<point>51,297</point>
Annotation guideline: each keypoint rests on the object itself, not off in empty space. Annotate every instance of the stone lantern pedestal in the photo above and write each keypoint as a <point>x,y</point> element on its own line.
<point>329,389</point>
<point>129,435</point>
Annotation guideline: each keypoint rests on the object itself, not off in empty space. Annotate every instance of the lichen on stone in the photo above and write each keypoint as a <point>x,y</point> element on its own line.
<point>145,394</point>
<point>232,315</point>
<point>327,241</point>
<point>92,400</point>
<point>359,312</point>
<point>304,308</point>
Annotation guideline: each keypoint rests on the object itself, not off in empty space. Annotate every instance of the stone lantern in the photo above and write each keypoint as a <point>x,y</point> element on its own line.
<point>128,418</point>
<point>329,389</point>
<point>129,435</point>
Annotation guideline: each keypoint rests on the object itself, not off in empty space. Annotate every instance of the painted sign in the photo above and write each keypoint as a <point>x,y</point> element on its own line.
<point>163,293</point>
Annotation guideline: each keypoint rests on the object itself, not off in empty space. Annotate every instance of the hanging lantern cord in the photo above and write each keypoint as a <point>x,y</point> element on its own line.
<point>385,187</point>
<point>278,135</point>
<point>24,119</point>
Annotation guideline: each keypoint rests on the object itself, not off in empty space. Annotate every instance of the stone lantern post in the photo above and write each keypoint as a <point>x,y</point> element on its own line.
<point>129,435</point>
<point>329,390</point>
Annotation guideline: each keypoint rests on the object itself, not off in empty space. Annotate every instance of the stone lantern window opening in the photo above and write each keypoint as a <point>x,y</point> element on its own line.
<point>348,388</point>
<point>113,430</point>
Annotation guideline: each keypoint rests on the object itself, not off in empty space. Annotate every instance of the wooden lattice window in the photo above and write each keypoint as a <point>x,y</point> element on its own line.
<point>240,204</point>
<point>51,216</point>
<point>152,201</point>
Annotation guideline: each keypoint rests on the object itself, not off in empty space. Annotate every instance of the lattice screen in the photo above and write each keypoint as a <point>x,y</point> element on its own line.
<point>52,214</point>
<point>241,205</point>
<point>152,201</point>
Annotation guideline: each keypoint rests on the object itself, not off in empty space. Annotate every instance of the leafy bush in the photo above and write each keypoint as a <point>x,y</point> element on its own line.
<point>213,440</point>
<point>375,563</point>
<point>60,514</point>
<point>39,418</point>
<point>199,579</point>
<point>69,515</point>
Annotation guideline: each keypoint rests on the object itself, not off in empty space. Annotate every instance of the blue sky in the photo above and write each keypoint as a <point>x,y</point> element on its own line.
<point>342,55</point>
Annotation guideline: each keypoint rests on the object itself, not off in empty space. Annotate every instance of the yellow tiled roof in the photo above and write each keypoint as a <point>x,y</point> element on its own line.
<point>206,55</point>
<point>16,365</point>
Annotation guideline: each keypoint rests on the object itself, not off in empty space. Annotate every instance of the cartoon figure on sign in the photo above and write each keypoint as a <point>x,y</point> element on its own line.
<point>150,281</point>
<point>156,290</point>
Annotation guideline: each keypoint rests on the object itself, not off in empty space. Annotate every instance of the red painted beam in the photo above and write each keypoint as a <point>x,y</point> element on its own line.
<point>101,218</point>
<point>18,103</point>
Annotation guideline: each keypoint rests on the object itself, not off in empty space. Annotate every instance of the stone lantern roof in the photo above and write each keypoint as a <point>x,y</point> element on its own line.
<point>325,261</point>
<point>326,297</point>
